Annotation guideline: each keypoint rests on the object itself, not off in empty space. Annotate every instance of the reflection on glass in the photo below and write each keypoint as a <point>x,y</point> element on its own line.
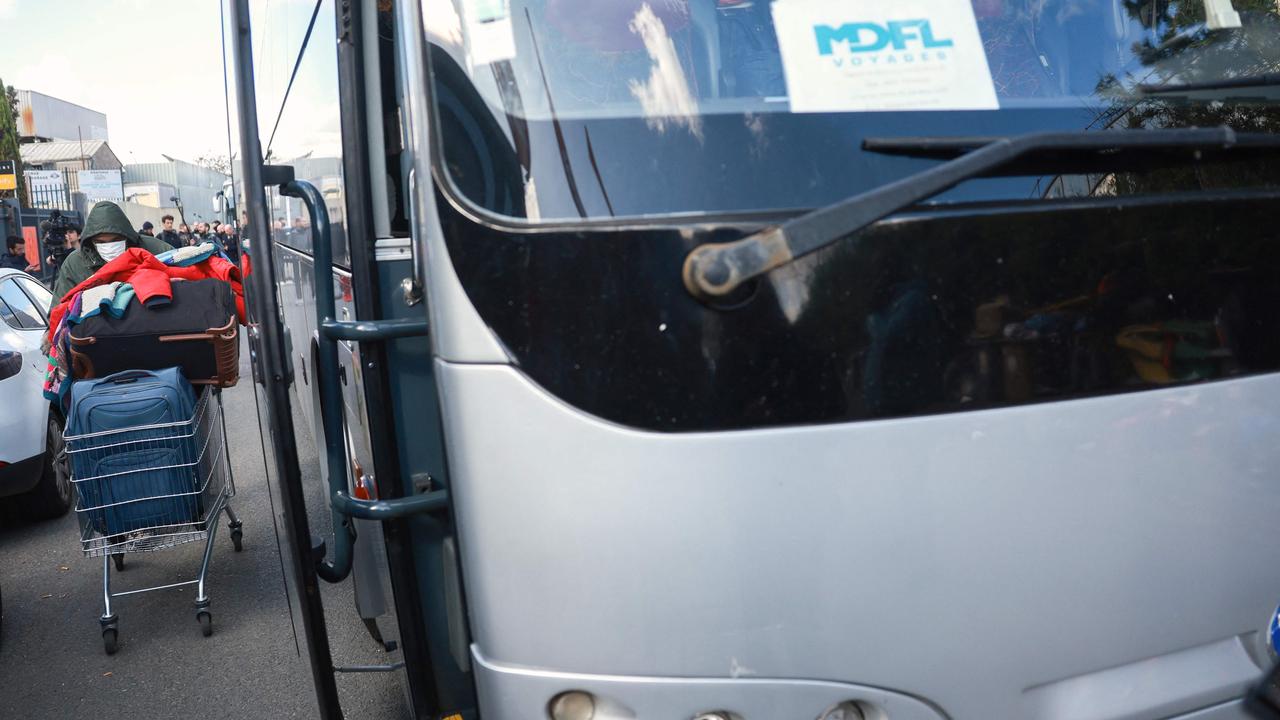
<point>665,95</point>
<point>302,129</point>
<point>581,97</point>
<point>585,55</point>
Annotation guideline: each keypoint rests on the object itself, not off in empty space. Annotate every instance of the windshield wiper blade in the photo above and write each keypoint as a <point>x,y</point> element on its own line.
<point>1102,143</point>
<point>716,270</point>
<point>1248,81</point>
<point>1068,159</point>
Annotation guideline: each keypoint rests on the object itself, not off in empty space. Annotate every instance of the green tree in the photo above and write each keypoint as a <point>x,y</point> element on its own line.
<point>9,136</point>
<point>1179,50</point>
<point>220,163</point>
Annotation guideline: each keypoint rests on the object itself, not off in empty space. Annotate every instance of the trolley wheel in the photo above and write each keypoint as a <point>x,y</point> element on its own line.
<point>206,622</point>
<point>109,638</point>
<point>237,539</point>
<point>118,559</point>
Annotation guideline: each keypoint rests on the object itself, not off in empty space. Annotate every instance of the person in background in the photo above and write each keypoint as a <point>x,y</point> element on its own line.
<point>242,230</point>
<point>167,233</point>
<point>15,255</point>
<point>107,233</point>
<point>70,242</point>
<point>228,237</point>
<point>184,234</point>
<point>147,229</point>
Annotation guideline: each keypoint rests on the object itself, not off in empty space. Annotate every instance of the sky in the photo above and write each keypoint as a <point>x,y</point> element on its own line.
<point>155,68</point>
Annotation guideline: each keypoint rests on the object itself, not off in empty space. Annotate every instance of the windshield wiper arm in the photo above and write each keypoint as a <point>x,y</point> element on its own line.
<point>715,270</point>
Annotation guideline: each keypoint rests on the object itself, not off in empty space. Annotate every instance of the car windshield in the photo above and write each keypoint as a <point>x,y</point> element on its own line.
<point>635,107</point>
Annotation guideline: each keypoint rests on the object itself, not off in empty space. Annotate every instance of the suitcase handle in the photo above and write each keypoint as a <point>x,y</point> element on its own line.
<point>127,376</point>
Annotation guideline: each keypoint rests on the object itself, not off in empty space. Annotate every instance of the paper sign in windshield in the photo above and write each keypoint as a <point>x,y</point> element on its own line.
<point>490,35</point>
<point>864,55</point>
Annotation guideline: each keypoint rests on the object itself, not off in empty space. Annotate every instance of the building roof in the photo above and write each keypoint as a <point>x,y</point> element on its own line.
<point>47,152</point>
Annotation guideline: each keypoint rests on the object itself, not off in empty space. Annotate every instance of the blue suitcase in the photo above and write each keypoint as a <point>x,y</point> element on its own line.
<point>134,450</point>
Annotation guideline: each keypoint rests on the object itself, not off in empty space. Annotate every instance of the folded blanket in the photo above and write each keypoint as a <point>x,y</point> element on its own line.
<point>182,257</point>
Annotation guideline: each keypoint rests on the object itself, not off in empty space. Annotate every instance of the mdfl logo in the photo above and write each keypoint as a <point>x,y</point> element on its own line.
<point>862,37</point>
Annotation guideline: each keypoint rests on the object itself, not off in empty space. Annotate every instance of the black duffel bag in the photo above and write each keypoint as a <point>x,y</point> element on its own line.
<point>196,331</point>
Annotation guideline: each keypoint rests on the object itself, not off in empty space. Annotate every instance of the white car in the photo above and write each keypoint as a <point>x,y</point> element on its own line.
<point>33,466</point>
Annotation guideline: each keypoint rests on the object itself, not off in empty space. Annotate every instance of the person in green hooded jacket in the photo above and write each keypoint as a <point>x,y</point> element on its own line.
<point>106,234</point>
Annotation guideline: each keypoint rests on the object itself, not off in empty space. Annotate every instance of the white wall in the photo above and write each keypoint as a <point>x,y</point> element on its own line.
<point>138,214</point>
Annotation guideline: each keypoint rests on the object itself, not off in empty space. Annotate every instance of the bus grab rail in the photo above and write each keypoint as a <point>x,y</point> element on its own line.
<point>342,506</point>
<point>372,330</point>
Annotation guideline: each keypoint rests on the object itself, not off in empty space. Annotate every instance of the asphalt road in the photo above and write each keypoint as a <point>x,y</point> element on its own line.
<point>52,663</point>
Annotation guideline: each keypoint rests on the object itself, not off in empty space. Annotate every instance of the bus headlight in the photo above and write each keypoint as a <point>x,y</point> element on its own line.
<point>572,705</point>
<point>847,710</point>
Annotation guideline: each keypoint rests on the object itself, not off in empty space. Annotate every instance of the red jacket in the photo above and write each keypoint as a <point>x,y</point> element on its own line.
<point>151,279</point>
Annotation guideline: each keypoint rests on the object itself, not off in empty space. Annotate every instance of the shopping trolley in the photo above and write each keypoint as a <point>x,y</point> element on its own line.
<point>147,488</point>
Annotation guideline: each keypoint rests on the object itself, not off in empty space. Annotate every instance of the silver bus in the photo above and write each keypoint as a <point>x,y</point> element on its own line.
<point>738,359</point>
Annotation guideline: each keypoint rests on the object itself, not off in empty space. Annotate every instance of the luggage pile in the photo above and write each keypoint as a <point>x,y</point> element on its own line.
<point>146,312</point>
<point>196,331</point>
<point>148,452</point>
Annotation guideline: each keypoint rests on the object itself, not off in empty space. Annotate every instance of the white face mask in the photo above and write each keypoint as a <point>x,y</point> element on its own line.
<point>110,250</point>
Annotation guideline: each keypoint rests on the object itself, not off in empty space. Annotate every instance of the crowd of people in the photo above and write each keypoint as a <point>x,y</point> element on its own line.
<point>226,237</point>
<point>184,235</point>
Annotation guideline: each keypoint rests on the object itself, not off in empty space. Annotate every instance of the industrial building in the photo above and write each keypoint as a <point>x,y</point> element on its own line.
<point>60,138</point>
<point>196,187</point>
<point>44,118</point>
<point>69,156</point>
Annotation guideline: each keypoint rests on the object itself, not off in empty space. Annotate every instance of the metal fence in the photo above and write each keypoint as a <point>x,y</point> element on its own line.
<point>54,196</point>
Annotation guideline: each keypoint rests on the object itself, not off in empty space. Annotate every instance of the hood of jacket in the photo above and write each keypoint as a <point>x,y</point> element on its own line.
<point>106,217</point>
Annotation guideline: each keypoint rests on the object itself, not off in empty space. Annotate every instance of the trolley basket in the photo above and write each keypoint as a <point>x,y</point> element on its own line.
<point>149,487</point>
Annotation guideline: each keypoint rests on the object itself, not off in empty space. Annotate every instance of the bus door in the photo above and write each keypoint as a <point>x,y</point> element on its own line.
<point>341,352</point>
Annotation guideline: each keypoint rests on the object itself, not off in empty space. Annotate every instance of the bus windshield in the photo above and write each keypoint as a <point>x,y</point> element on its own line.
<point>640,107</point>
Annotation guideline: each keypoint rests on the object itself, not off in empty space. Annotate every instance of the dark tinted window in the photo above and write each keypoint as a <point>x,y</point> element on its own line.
<point>39,294</point>
<point>21,312</point>
<point>7,315</point>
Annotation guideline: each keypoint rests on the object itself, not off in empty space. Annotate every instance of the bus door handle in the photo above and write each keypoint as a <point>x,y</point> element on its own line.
<point>411,287</point>
<point>344,507</point>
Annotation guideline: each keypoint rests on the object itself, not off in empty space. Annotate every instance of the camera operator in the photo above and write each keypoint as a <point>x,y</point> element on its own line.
<point>53,236</point>
<point>70,244</point>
